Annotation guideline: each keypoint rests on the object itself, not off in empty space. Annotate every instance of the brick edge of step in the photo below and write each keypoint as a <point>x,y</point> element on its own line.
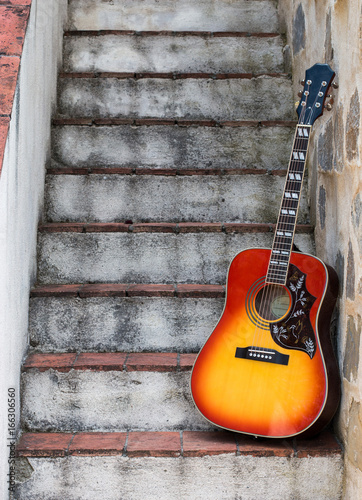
<point>181,122</point>
<point>202,34</point>
<point>169,172</point>
<point>164,227</point>
<point>167,75</point>
<point>172,444</point>
<point>129,290</point>
<point>110,361</point>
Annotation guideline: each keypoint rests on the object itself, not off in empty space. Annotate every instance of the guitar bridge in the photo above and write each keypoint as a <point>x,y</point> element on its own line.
<point>263,354</point>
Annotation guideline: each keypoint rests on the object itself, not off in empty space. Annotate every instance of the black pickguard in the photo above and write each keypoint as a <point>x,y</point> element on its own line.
<point>296,332</point>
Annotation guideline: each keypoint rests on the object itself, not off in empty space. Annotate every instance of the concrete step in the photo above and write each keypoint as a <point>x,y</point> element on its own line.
<point>260,98</point>
<point>148,253</point>
<point>160,146</point>
<point>188,465</point>
<point>123,317</point>
<point>145,198</point>
<point>173,15</point>
<point>110,391</point>
<point>181,53</point>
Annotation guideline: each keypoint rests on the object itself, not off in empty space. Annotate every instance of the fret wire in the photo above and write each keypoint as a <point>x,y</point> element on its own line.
<point>278,270</point>
<point>275,275</point>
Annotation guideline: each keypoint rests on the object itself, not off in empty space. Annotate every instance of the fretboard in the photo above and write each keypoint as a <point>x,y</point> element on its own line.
<point>284,233</point>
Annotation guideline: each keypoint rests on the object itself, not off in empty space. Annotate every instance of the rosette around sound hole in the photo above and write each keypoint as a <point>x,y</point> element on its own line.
<point>267,303</point>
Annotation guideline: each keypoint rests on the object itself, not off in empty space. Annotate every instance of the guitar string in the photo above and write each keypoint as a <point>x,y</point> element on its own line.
<point>293,185</point>
<point>271,290</point>
<point>281,245</point>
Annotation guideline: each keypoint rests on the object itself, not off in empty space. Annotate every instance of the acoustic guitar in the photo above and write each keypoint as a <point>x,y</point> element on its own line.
<point>268,369</point>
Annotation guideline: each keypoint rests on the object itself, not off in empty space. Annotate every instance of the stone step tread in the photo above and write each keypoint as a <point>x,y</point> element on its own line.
<point>171,444</point>
<point>110,361</point>
<point>84,291</point>
<point>109,392</point>
<point>70,391</point>
<point>102,198</point>
<point>200,253</point>
<point>185,145</point>
<point>175,15</point>
<point>165,227</point>
<point>123,317</point>
<point>205,98</point>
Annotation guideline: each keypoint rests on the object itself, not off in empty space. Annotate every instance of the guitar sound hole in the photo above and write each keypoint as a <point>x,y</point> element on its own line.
<point>273,302</point>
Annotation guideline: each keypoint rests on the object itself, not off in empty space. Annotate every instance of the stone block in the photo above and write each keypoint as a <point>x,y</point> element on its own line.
<point>138,323</point>
<point>146,257</point>
<point>213,477</point>
<point>174,15</point>
<point>167,54</point>
<point>181,148</point>
<point>235,99</point>
<point>87,400</point>
<point>108,198</point>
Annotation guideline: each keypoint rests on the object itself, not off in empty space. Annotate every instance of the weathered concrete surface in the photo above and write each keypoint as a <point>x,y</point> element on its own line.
<point>122,324</point>
<point>145,257</point>
<point>172,146</point>
<point>223,477</point>
<point>174,15</point>
<point>103,198</point>
<point>108,400</point>
<point>173,54</point>
<point>261,98</point>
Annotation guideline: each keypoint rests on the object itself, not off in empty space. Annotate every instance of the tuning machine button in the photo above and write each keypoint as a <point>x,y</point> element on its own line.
<point>300,93</point>
<point>328,106</point>
<point>302,82</point>
<point>335,85</point>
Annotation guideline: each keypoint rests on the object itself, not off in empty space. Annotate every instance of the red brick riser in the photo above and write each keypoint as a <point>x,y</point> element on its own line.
<point>202,34</point>
<point>84,291</point>
<point>111,361</point>
<point>181,122</point>
<point>171,444</point>
<point>169,172</point>
<point>167,76</point>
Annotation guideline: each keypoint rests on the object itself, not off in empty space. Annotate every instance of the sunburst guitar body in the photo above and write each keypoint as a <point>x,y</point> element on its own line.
<point>268,369</point>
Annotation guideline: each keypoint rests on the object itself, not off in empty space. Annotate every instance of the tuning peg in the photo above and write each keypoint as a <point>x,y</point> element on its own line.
<point>300,93</point>
<point>335,85</point>
<point>328,106</point>
<point>302,82</point>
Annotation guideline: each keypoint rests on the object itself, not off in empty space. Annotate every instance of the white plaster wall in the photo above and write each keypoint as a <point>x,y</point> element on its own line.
<point>21,195</point>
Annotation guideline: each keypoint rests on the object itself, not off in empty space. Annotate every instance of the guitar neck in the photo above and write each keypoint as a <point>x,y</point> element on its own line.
<point>285,229</point>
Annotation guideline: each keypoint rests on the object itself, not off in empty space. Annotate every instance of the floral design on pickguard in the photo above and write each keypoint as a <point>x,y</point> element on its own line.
<point>296,331</point>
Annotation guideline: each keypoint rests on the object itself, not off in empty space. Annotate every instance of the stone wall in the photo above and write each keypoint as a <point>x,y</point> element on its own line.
<point>329,31</point>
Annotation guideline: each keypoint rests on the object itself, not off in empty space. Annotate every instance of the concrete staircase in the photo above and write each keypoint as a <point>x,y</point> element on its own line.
<point>170,145</point>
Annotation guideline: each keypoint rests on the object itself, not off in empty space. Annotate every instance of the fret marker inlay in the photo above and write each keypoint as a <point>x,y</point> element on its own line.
<point>284,234</point>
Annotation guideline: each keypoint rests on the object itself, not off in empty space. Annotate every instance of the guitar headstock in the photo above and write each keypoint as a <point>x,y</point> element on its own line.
<point>317,82</point>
